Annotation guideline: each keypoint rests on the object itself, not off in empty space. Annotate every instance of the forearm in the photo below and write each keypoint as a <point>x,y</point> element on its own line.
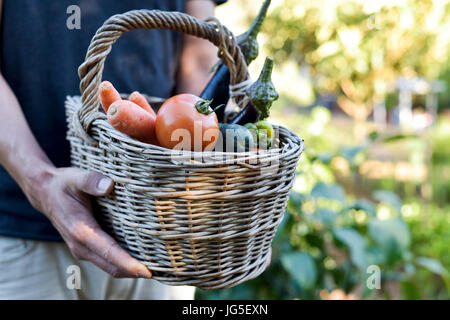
<point>61,194</point>
<point>198,55</point>
<point>20,153</point>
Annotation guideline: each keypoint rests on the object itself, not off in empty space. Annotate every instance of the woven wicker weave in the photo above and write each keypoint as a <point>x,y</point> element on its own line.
<point>202,219</point>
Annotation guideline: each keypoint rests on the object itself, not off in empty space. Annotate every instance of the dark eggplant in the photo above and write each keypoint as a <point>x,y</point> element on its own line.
<point>218,91</point>
<point>217,88</point>
<point>246,115</point>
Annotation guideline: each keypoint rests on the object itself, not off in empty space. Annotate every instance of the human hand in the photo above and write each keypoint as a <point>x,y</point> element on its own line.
<point>64,198</point>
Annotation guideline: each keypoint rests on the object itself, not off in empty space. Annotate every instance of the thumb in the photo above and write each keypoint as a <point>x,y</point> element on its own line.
<point>92,183</point>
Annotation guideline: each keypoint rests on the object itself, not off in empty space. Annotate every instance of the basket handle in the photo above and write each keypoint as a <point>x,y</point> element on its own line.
<point>91,70</point>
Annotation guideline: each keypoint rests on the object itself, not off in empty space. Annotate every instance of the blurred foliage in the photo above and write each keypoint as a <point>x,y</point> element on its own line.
<point>338,222</point>
<point>358,49</point>
<point>441,161</point>
<point>431,236</point>
<point>330,237</point>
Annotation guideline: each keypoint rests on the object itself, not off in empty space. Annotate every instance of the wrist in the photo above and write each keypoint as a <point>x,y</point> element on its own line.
<point>35,182</point>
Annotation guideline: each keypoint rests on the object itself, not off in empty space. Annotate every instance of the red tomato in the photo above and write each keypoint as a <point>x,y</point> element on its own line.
<point>187,122</point>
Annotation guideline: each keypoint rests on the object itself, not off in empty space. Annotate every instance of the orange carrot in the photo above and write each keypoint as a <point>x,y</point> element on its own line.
<point>127,117</point>
<point>140,100</point>
<point>108,94</point>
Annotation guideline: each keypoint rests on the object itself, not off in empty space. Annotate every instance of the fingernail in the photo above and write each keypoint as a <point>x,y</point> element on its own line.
<point>104,184</point>
<point>145,274</point>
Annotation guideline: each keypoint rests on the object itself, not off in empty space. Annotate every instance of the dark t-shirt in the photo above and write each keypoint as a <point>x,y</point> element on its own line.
<point>40,56</point>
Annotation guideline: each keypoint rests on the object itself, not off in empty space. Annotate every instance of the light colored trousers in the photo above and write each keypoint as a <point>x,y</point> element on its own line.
<point>31,269</point>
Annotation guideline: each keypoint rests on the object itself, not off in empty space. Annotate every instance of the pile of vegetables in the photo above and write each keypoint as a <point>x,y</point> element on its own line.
<point>182,116</point>
<point>189,122</point>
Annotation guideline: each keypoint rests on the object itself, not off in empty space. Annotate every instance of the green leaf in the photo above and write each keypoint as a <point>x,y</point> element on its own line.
<point>374,255</point>
<point>326,216</point>
<point>328,191</point>
<point>365,205</point>
<point>433,265</point>
<point>389,198</point>
<point>301,267</point>
<point>356,244</point>
<point>410,291</point>
<point>281,233</point>
<point>373,135</point>
<point>350,153</point>
<point>392,236</point>
<point>296,199</point>
<point>325,157</point>
<point>399,137</point>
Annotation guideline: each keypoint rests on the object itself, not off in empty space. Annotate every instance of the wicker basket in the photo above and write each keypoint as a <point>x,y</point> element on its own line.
<point>203,219</point>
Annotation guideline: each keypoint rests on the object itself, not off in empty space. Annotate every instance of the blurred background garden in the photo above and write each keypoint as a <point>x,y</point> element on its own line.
<point>366,84</point>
